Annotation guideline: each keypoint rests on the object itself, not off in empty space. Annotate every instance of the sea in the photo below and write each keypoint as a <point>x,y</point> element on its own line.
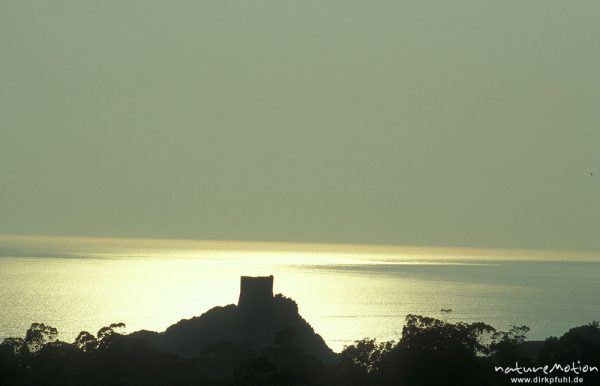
<point>345,292</point>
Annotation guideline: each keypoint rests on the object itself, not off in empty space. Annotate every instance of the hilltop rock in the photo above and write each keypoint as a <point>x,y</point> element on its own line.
<point>260,320</point>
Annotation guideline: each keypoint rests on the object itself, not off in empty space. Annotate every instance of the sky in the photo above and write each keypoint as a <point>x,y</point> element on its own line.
<point>463,123</point>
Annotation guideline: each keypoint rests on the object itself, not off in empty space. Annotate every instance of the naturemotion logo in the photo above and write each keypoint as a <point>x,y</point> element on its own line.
<point>557,373</point>
<point>548,369</point>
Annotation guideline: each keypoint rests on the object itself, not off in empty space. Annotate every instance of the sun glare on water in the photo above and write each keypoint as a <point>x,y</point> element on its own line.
<point>344,291</point>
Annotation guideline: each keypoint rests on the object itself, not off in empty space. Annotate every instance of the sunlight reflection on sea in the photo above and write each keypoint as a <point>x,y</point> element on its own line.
<point>345,293</point>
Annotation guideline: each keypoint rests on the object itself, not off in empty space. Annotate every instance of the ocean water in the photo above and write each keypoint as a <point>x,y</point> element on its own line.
<point>344,292</point>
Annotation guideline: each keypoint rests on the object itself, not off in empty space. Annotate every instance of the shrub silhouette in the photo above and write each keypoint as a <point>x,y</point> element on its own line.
<point>430,352</point>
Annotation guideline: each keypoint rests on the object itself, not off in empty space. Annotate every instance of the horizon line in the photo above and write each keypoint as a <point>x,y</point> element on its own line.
<point>336,247</point>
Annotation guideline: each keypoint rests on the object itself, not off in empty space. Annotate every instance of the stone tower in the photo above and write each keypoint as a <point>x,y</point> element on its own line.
<point>256,292</point>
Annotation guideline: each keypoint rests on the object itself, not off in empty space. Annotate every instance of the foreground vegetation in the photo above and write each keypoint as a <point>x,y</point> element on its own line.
<point>430,352</point>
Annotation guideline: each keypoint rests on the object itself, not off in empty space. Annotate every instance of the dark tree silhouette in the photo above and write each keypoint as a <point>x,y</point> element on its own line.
<point>86,342</point>
<point>430,352</point>
<point>39,334</point>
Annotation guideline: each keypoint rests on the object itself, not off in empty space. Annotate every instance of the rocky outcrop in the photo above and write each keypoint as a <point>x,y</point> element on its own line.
<point>260,320</point>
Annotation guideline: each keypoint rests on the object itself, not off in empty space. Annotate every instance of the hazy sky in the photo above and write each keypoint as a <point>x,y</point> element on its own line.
<point>465,123</point>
